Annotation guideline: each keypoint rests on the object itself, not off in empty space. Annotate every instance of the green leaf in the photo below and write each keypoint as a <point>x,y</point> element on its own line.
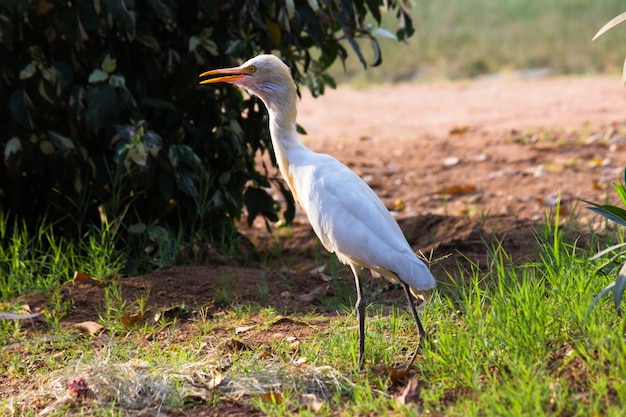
<point>137,228</point>
<point>613,213</point>
<point>117,80</point>
<point>148,40</point>
<point>158,103</point>
<point>123,18</point>
<point>618,290</point>
<point>97,76</point>
<point>258,201</point>
<point>60,142</point>
<point>606,251</point>
<point>601,294</point>
<point>27,72</point>
<point>152,143</point>
<point>12,147</point>
<point>621,191</point>
<point>22,109</point>
<point>378,57</point>
<point>102,107</point>
<point>356,49</point>
<point>165,10</point>
<point>374,6</point>
<point>109,64</point>
<point>290,210</point>
<point>182,156</point>
<point>186,184</point>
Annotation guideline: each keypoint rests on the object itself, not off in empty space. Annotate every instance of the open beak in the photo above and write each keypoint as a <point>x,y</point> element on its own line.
<point>225,75</point>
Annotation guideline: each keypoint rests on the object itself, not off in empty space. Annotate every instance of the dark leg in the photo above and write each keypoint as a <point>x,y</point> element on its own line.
<point>420,328</point>
<point>360,314</point>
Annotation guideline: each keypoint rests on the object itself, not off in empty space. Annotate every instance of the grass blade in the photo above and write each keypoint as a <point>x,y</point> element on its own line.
<point>618,291</point>
<point>607,250</point>
<point>601,294</point>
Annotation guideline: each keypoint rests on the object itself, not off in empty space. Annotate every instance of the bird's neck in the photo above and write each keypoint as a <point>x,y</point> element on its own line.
<point>282,124</point>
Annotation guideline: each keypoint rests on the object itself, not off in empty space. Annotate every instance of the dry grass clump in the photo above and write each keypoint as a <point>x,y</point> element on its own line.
<point>132,387</point>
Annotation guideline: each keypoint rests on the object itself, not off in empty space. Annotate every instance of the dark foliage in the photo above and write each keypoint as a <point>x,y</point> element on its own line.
<point>102,117</point>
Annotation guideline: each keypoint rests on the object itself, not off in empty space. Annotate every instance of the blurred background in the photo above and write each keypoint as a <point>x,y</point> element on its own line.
<point>458,39</point>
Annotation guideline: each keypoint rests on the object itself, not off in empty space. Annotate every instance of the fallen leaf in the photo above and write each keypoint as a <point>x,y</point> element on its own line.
<point>410,393</point>
<point>597,185</point>
<point>459,130</point>
<point>457,189</point>
<point>133,321</point>
<point>215,382</point>
<point>310,297</point>
<point>397,205</point>
<point>237,345</point>
<point>318,272</point>
<point>451,161</point>
<point>243,329</point>
<point>80,276</point>
<point>272,397</point>
<point>311,402</point>
<point>396,376</point>
<point>90,327</point>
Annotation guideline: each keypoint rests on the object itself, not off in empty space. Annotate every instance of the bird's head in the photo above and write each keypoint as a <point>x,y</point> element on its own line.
<point>265,76</point>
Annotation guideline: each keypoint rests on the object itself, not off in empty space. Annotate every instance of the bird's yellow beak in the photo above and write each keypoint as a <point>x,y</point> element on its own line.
<point>225,75</point>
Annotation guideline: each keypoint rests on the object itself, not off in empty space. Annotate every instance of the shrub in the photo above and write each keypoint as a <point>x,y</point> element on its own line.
<point>102,118</point>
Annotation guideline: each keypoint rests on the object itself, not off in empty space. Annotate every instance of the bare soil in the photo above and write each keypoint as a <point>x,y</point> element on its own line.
<point>460,164</point>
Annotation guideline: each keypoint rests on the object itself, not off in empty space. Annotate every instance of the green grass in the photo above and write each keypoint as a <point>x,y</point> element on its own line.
<point>464,39</point>
<point>506,339</point>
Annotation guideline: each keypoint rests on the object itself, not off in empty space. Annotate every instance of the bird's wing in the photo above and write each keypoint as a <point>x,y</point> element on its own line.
<point>351,220</point>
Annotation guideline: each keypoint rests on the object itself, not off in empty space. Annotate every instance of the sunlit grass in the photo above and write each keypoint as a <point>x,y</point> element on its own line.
<point>506,338</point>
<point>462,39</point>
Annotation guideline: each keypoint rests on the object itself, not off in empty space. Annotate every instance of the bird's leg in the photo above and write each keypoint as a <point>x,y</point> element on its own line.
<point>360,313</point>
<point>420,328</point>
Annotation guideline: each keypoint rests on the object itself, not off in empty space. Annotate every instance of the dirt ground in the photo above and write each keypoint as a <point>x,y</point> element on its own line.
<point>458,163</point>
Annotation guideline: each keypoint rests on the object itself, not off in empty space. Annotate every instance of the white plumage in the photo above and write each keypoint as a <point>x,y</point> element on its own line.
<point>346,215</point>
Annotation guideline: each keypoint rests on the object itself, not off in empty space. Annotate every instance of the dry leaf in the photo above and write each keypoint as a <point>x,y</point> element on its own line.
<point>237,345</point>
<point>397,205</point>
<point>451,161</point>
<point>43,7</point>
<point>272,397</point>
<point>287,320</point>
<point>318,272</point>
<point>90,327</point>
<point>311,402</point>
<point>80,276</point>
<point>410,393</point>
<point>396,376</point>
<point>459,130</point>
<point>457,189</point>
<point>133,321</point>
<point>243,329</point>
<point>215,382</point>
<point>310,297</point>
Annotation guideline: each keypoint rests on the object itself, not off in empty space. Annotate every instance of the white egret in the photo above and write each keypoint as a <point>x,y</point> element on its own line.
<point>346,215</point>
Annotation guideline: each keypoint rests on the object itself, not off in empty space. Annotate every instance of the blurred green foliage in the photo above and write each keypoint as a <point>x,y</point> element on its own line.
<point>102,119</point>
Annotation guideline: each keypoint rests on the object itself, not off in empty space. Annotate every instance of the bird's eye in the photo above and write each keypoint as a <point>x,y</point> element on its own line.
<point>251,69</point>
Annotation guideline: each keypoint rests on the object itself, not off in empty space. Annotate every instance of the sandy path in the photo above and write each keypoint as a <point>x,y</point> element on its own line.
<point>410,110</point>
